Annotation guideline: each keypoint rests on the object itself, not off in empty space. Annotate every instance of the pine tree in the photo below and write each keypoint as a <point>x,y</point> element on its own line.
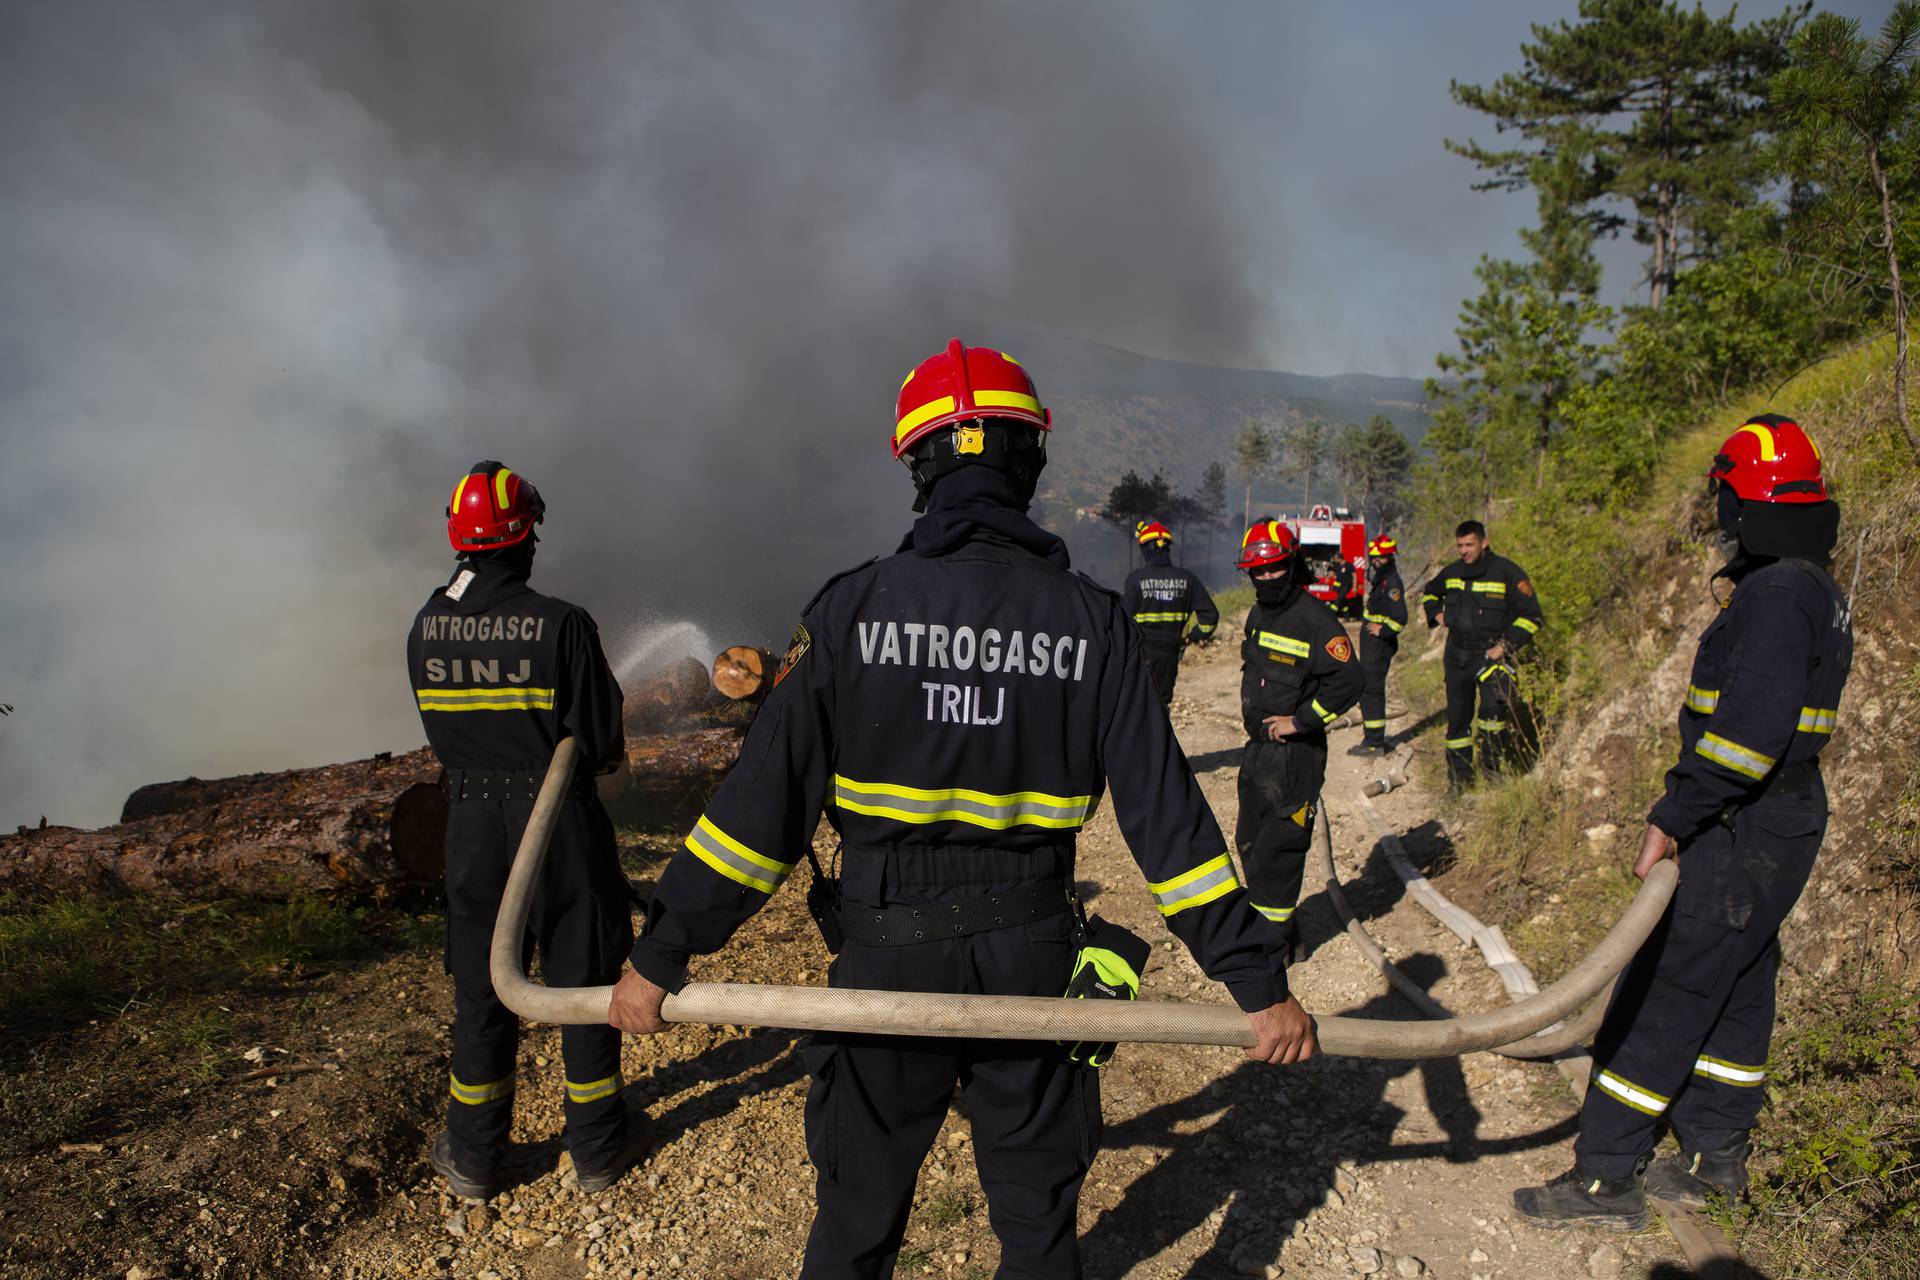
<point>1639,104</point>
<point>1253,449</point>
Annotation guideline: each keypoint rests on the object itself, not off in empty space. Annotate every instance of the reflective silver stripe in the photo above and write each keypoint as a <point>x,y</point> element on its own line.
<point>1279,915</point>
<point>1160,617</point>
<point>1731,755</point>
<point>1285,644</point>
<point>1491,726</point>
<point>476,1094</point>
<point>957,804</point>
<point>593,1090</point>
<point>1702,700</point>
<point>1630,1093</point>
<point>1729,1072</point>
<point>1454,744</point>
<point>1214,878</point>
<point>1817,719</point>
<point>1373,724</point>
<point>734,860</point>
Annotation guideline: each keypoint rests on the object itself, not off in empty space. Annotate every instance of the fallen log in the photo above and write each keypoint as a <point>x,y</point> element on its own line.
<point>669,776</point>
<point>677,693</point>
<point>744,673</point>
<point>368,826</point>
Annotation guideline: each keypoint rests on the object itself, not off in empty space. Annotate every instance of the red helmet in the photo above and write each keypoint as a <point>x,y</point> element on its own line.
<point>1383,546</point>
<point>1268,544</point>
<point>961,383</point>
<point>492,507</point>
<point>1151,533</point>
<point>1770,459</point>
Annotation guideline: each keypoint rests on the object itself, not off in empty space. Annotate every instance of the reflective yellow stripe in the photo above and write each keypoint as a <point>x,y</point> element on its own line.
<point>1210,880</point>
<point>1764,434</point>
<point>1383,620</point>
<point>1817,719</point>
<point>734,860</point>
<point>1279,915</point>
<point>1491,588</point>
<point>1732,755</point>
<point>1456,584</point>
<point>958,804</point>
<point>1456,744</point>
<point>1006,400</point>
<point>1161,617</point>
<point>1204,628</point>
<point>1702,700</point>
<point>1430,596</point>
<point>1527,625</point>
<point>931,409</point>
<point>593,1090</point>
<point>1285,644</point>
<point>1726,1072</point>
<point>500,487</point>
<point>459,489</point>
<point>1632,1094</point>
<point>1491,726</point>
<point>475,1094</point>
<point>1326,716</point>
<point>1495,669</point>
<point>1373,724</point>
<point>510,698</point>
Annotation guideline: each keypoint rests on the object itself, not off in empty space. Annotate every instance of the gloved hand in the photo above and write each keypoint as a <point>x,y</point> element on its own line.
<point>1108,968</point>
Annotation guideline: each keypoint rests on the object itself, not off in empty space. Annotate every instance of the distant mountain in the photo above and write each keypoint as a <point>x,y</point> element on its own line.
<point>1116,410</point>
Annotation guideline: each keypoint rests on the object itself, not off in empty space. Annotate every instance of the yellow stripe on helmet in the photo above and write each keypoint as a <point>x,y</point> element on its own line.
<point>1764,434</point>
<point>925,413</point>
<point>500,488</point>
<point>1007,400</point>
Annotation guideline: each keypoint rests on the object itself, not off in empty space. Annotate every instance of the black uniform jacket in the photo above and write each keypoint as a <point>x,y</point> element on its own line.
<point>1763,695</point>
<point>1386,605</point>
<point>502,673</point>
<point>1161,597</point>
<point>978,698</point>
<point>1485,603</point>
<point>1296,660</point>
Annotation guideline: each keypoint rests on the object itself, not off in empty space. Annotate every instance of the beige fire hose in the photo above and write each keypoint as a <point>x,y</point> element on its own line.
<point>1031,1017</point>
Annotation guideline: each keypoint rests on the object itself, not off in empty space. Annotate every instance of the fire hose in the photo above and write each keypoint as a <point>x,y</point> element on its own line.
<point>916,1013</point>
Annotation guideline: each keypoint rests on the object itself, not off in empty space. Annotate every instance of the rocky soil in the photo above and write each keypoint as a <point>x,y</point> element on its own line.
<point>1211,1167</point>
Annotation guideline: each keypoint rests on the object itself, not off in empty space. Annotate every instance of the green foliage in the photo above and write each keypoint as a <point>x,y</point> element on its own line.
<point>1374,463</point>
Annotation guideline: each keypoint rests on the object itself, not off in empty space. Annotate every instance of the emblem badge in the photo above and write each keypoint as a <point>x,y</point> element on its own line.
<point>795,651</point>
<point>1341,648</point>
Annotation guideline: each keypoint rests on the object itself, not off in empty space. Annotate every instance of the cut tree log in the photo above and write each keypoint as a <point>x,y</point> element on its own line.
<point>744,673</point>
<point>677,693</point>
<point>670,775</point>
<point>368,826</point>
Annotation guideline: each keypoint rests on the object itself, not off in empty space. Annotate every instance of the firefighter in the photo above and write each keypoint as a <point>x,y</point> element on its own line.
<point>1162,598</point>
<point>1685,1038</point>
<point>1298,675</point>
<point>957,708</point>
<point>501,674</point>
<point>1383,618</point>
<point>1486,603</point>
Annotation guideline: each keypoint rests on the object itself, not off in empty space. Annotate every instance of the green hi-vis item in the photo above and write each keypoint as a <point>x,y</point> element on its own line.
<point>1108,967</point>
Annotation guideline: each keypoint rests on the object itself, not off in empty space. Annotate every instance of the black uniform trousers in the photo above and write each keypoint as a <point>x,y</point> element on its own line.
<point>1164,664</point>
<point>1376,656</point>
<point>582,926</point>
<point>1473,680</point>
<point>876,1103</point>
<point>1279,796</point>
<point>1685,1038</point>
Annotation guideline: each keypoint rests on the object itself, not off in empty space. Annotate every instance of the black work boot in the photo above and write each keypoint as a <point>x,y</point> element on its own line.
<point>638,1140</point>
<point>1691,1178</point>
<point>1368,747</point>
<point>1578,1198</point>
<point>466,1185</point>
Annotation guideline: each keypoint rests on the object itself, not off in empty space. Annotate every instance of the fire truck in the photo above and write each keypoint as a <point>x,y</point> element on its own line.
<point>1333,542</point>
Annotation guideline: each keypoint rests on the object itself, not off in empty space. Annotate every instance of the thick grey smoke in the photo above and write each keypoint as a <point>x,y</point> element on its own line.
<point>276,274</point>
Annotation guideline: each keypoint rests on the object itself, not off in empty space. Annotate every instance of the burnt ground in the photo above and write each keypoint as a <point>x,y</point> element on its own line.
<point>1210,1166</point>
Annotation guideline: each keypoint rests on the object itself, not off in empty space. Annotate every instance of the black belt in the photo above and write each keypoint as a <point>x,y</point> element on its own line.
<point>904,926</point>
<point>500,784</point>
<point>1788,780</point>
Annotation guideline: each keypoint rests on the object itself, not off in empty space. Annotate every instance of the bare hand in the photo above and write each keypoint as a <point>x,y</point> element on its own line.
<point>1280,728</point>
<point>1657,846</point>
<point>1373,628</point>
<point>1283,1034</point>
<point>636,1005</point>
<point>1498,651</point>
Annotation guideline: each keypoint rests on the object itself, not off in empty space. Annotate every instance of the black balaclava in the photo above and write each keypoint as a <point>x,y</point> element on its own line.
<point>514,561</point>
<point>1752,533</point>
<point>963,504</point>
<point>1273,592</point>
<point>1159,554</point>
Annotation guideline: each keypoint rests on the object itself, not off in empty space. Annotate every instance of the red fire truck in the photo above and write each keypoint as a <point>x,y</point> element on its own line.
<point>1333,541</point>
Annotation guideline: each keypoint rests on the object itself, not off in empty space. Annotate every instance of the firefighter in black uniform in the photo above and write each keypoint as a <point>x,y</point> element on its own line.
<point>1297,677</point>
<point>957,709</point>
<point>501,674</point>
<point>1487,605</point>
<point>1685,1039</point>
<point>1162,597</point>
<point>1383,619</point>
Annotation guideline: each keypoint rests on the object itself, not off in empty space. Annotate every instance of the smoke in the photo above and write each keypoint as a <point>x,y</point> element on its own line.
<point>276,274</point>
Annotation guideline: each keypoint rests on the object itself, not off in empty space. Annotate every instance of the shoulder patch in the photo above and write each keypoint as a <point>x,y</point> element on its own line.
<point>1524,586</point>
<point>828,584</point>
<point>1393,593</point>
<point>796,650</point>
<point>1340,647</point>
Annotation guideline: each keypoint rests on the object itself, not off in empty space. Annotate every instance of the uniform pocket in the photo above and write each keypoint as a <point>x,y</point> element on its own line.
<point>826,1106</point>
<point>1697,948</point>
<point>1050,950</point>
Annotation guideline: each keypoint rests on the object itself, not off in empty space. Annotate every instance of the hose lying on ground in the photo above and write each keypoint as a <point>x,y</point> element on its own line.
<point>1544,1044</point>
<point>1030,1017</point>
